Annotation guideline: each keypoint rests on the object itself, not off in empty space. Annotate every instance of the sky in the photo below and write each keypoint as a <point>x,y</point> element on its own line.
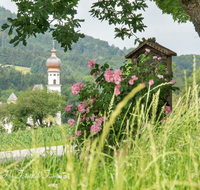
<point>180,38</point>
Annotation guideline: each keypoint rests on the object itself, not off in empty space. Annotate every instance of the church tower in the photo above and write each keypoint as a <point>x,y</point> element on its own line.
<point>53,64</point>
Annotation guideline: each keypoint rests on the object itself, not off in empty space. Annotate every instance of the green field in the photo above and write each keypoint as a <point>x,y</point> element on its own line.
<point>42,137</point>
<point>24,70</point>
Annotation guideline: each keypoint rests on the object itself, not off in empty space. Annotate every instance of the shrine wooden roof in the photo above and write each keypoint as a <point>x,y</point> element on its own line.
<point>153,46</point>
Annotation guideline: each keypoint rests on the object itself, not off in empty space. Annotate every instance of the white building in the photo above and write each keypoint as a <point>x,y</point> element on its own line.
<point>53,64</point>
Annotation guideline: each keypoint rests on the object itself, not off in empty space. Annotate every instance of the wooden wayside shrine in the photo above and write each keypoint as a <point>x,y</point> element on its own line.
<point>156,50</point>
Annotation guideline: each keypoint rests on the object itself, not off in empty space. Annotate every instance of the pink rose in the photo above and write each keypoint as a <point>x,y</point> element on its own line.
<point>155,57</point>
<point>88,109</point>
<point>91,63</point>
<point>71,122</point>
<point>81,108</point>
<point>76,88</point>
<point>109,76</point>
<point>92,117</point>
<point>80,120</point>
<point>117,92</point>
<point>102,118</point>
<point>134,77</point>
<point>151,82</point>
<point>98,121</point>
<point>168,110</point>
<point>95,129</point>
<point>160,76</point>
<point>147,50</point>
<point>173,81</point>
<point>131,82</point>
<point>68,108</point>
<point>78,133</point>
<point>159,58</point>
<point>84,103</point>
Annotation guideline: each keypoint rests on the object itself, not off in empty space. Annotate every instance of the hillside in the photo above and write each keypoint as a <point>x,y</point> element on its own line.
<point>74,63</point>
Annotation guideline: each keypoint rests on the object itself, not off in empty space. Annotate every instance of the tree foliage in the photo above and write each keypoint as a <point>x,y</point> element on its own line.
<point>33,17</point>
<point>37,104</point>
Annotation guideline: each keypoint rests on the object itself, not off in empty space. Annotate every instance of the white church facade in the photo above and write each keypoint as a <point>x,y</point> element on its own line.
<point>53,64</point>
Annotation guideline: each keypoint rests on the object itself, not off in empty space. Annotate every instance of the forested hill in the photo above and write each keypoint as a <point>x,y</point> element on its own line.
<point>74,62</point>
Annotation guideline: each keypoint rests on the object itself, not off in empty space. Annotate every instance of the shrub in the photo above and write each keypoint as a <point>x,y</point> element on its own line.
<point>100,98</point>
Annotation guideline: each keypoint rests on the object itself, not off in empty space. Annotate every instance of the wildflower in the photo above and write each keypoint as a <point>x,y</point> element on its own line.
<point>71,122</point>
<point>131,82</point>
<point>168,110</point>
<point>78,133</point>
<point>117,92</point>
<point>151,82</point>
<point>155,57</point>
<point>160,76</point>
<point>68,108</point>
<point>159,58</point>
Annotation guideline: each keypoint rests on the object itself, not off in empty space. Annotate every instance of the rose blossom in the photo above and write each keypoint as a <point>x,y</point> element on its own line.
<point>151,82</point>
<point>147,50</point>
<point>68,108</point>
<point>81,108</point>
<point>88,109</point>
<point>78,133</point>
<point>155,57</point>
<point>134,77</point>
<point>94,129</point>
<point>117,77</point>
<point>159,58</point>
<point>71,122</point>
<point>76,88</point>
<point>131,82</point>
<point>160,76</point>
<point>173,81</point>
<point>109,76</point>
<point>117,92</point>
<point>168,110</point>
<point>91,63</point>
<point>84,103</point>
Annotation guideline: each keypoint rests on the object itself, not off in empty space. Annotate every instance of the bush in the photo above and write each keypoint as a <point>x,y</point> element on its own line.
<point>100,98</point>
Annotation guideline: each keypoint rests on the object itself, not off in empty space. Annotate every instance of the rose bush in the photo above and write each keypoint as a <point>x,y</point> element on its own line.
<point>98,99</point>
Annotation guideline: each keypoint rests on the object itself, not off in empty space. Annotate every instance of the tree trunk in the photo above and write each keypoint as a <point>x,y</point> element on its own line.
<point>192,8</point>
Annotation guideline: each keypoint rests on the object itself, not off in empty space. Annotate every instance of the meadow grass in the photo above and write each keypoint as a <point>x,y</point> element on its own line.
<point>24,70</point>
<point>23,139</point>
<point>160,156</point>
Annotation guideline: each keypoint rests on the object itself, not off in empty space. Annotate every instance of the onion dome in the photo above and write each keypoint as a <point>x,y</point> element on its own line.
<point>53,63</point>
